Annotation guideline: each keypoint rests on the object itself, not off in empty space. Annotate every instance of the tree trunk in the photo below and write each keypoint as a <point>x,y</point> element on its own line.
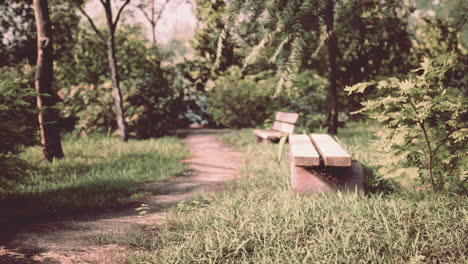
<point>332,48</point>
<point>153,31</point>
<point>153,23</point>
<point>48,116</point>
<point>116,91</point>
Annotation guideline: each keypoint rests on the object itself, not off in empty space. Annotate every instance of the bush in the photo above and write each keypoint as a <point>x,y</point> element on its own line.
<point>242,101</point>
<point>425,123</point>
<point>248,101</point>
<point>190,77</point>
<point>152,106</point>
<point>309,99</point>
<point>17,128</point>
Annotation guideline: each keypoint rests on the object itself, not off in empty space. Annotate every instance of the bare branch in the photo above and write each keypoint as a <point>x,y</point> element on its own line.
<point>155,22</point>
<point>117,17</point>
<point>90,20</point>
<point>144,13</point>
<point>151,19</point>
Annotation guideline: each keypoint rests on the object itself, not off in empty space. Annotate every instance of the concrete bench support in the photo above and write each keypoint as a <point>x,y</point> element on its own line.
<point>315,178</point>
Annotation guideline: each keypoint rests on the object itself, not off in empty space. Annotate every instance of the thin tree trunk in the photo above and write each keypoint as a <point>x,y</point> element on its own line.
<point>154,34</point>
<point>153,23</point>
<point>332,48</point>
<point>116,91</point>
<point>48,116</point>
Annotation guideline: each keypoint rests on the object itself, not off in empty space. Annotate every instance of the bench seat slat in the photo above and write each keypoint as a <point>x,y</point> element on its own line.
<point>283,127</point>
<point>287,117</point>
<point>332,153</point>
<point>302,151</point>
<point>267,134</point>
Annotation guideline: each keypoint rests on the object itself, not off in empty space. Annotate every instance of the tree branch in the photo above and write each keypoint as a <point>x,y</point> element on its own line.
<point>446,137</point>
<point>144,13</point>
<point>155,22</point>
<point>117,17</point>
<point>90,20</point>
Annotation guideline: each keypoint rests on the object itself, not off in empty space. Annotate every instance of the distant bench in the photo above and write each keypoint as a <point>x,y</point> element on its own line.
<point>319,164</point>
<point>284,124</point>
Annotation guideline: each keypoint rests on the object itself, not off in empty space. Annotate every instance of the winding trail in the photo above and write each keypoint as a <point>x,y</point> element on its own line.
<point>68,241</point>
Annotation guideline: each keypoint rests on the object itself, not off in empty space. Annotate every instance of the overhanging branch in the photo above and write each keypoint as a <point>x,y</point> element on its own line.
<point>90,20</point>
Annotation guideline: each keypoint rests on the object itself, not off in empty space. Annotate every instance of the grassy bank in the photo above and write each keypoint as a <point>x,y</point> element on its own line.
<point>98,172</point>
<point>258,220</point>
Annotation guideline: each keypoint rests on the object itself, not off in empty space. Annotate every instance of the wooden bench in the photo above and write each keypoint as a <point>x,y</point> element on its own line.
<point>319,164</point>
<point>284,124</point>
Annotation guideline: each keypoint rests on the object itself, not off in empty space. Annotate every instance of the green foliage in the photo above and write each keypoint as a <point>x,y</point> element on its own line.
<point>17,128</point>
<point>208,35</point>
<point>238,101</point>
<point>375,38</point>
<point>374,41</point>
<point>433,37</point>
<point>18,31</point>
<point>191,78</point>
<point>153,106</point>
<point>98,172</point>
<point>284,28</point>
<point>425,122</point>
<point>308,98</point>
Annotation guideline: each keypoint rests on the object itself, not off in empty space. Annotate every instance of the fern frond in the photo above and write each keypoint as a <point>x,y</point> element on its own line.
<point>279,49</point>
<point>324,37</point>
<point>255,54</point>
<point>219,48</point>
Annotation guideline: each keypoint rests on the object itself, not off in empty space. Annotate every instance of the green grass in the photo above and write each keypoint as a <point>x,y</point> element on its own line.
<point>258,220</point>
<point>98,172</point>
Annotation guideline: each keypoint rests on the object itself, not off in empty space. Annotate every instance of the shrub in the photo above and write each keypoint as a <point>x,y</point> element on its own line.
<point>248,101</point>
<point>425,122</point>
<point>17,128</point>
<point>152,106</point>
<point>242,101</point>
<point>190,77</point>
<point>309,99</point>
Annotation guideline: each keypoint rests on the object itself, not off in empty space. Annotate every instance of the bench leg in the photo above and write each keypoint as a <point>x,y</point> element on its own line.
<point>260,139</point>
<point>306,181</point>
<point>354,178</point>
<point>319,179</point>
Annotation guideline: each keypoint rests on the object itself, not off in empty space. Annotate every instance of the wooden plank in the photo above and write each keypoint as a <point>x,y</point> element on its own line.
<point>287,117</point>
<point>283,127</point>
<point>332,153</point>
<point>267,134</point>
<point>302,151</point>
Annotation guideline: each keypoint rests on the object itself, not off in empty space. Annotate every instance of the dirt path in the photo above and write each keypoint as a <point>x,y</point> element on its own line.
<point>68,240</point>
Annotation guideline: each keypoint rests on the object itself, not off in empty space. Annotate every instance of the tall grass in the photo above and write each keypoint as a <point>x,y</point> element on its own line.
<point>258,220</point>
<point>97,172</point>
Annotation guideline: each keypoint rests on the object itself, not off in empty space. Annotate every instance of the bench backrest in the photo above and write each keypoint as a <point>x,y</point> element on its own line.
<point>305,150</point>
<point>285,122</point>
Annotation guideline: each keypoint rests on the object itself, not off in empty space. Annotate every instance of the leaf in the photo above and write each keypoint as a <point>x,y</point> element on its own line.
<point>281,145</point>
<point>219,48</point>
<point>358,88</point>
<point>406,86</point>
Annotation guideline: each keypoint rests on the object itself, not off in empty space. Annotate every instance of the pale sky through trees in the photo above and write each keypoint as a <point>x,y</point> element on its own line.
<point>177,21</point>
